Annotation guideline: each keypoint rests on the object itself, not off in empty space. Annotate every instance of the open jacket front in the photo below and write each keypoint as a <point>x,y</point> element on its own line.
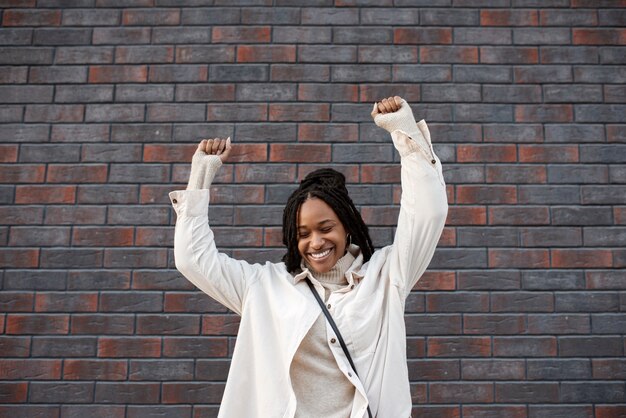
<point>277,309</point>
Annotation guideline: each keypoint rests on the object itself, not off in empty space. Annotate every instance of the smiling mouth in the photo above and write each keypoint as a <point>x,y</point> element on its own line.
<point>321,255</point>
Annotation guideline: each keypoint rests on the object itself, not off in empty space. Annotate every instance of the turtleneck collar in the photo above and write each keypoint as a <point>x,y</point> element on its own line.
<point>336,275</point>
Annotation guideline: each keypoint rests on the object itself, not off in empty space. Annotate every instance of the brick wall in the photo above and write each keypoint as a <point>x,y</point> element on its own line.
<point>522,313</point>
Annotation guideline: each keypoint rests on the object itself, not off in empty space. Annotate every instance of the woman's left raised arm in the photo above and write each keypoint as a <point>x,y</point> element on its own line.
<point>424,204</point>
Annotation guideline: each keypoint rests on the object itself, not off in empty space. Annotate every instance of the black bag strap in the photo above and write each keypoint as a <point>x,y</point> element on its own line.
<point>333,325</point>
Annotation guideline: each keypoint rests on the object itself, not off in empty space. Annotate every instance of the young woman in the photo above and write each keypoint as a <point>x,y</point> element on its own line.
<point>288,361</point>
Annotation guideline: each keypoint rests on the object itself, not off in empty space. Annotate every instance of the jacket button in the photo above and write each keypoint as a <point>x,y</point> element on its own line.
<point>433,161</point>
<point>328,306</point>
<point>333,341</point>
<point>174,201</point>
<point>349,374</point>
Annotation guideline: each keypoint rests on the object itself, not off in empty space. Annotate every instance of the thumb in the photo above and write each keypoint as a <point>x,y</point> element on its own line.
<point>375,110</point>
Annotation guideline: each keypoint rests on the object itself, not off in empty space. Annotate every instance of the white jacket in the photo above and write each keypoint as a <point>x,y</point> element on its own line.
<point>277,309</point>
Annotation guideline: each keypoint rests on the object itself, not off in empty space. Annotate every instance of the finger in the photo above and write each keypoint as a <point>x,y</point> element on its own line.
<point>375,109</point>
<point>398,101</point>
<point>392,104</point>
<point>227,149</point>
<point>208,146</point>
<point>215,146</point>
<point>387,106</point>
<point>201,146</point>
<point>220,148</point>
<point>381,107</point>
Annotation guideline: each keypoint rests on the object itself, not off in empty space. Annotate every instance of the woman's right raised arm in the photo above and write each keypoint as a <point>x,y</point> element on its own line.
<point>224,279</point>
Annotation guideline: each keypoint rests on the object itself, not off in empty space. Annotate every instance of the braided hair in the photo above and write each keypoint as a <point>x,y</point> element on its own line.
<point>330,186</point>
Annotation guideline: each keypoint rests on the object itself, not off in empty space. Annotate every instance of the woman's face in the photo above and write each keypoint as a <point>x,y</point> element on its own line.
<point>321,235</point>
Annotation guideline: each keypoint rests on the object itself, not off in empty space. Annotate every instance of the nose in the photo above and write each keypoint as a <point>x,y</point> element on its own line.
<point>317,241</point>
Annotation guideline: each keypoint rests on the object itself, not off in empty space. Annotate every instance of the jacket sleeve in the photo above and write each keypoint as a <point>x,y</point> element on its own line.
<point>423,205</point>
<point>223,278</point>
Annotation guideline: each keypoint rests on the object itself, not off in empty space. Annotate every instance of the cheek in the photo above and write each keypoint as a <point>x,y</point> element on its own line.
<point>301,247</point>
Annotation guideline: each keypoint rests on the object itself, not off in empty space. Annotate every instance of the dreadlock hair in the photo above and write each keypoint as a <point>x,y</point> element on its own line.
<point>330,186</point>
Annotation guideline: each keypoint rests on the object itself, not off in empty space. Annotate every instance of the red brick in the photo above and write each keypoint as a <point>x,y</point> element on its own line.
<point>273,237</point>
<point>449,54</point>
<point>37,324</point>
<point>19,258</point>
<point>544,113</point>
<point>241,34</point>
<point>610,411</point>
<point>45,194</point>
<point>153,236</point>
<point>84,173</point>
<point>419,36</point>
<point>32,369</point>
<point>248,153</point>
<point>459,347</point>
<point>8,153</point>
<point>486,194</point>
<point>118,74</point>
<point>619,214</point>
<point>294,153</point>
<point>127,347</point>
<point>495,17</point>
<point>16,302</point>
<point>74,369</point>
<point>380,173</point>
<point>518,258</point>
<point>266,53</point>
<point>436,280</point>
<point>149,17</point>
<point>321,132</point>
<point>168,153</point>
<point>299,112</point>
<point>598,36</point>
<point>220,324</point>
<point>31,18</point>
<point>448,237</point>
<point>467,215</point>
<point>548,153</point>
<point>486,153</point>
<point>22,173</point>
<point>581,258</point>
<point>13,392</point>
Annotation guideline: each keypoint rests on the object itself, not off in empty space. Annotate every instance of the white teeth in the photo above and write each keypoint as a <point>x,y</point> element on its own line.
<point>320,255</point>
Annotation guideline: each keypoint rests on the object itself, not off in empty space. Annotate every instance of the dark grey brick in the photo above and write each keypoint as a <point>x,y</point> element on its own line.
<point>612,55</point>
<point>449,258</point>
<point>574,133</point>
<point>586,302</point>
<point>195,131</point>
<point>344,153</point>
<point>518,132</point>
<point>50,153</point>
<point>599,74</point>
<point>422,73</point>
<point>488,279</point>
<point>608,324</point>
<point>299,72</point>
<point>579,215</point>
<point>25,56</point>
<point>114,113</point>
<point>549,195</point>
<point>16,36</point>
<point>74,392</point>
<point>573,93</point>
<point>478,369</point>
<point>487,236</point>
<point>550,237</point>
<point>111,153</point>
<point>302,35</point>
<point>204,53</point>
<point>451,93</point>
<point>493,324</point>
<point>559,369</point>
<point>511,94</point>
<point>605,237</point>
<point>593,392</point>
<point>541,36</point>
<point>560,411</point>
<point>387,54</point>
<point>483,113</point>
<point>367,35</point>
<point>463,173</point>
<point>61,36</point>
<point>543,74</point>
<point>71,258</point>
<point>361,73</point>
<point>26,94</point>
<point>144,93</point>
<point>568,54</point>
<point>84,55</point>
<point>91,17</point>
<point>327,53</point>
<point>40,279</point>
<point>519,392</point>
<point>603,195</point>
<point>615,93</point>
<point>329,16</point>
<point>558,324</point>
<point>239,72</point>
<point>83,93</point>
<point>273,15</point>
<point>389,16</point>
<point>606,154</point>
<point>482,74</point>
<point>144,132</point>
<point>183,35</point>
<point>210,16</point>
<point>433,324</point>
<point>483,36</point>
<point>576,174</point>
<point>64,347</point>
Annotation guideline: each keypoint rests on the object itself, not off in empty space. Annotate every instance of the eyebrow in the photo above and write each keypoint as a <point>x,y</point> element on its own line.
<point>318,224</point>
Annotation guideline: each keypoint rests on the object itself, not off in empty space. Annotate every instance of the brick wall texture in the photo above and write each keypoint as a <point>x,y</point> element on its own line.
<point>522,313</point>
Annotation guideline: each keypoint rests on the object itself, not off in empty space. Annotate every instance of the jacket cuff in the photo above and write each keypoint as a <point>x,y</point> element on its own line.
<point>190,203</point>
<point>400,120</point>
<point>203,169</point>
